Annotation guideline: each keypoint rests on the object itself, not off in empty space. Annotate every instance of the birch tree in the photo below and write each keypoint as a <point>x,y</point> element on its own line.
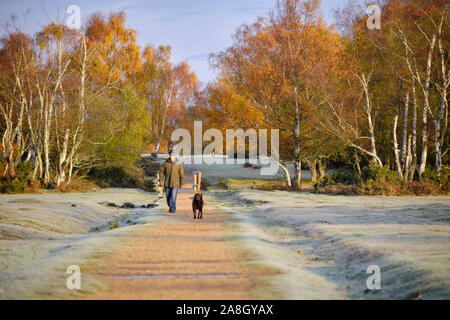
<point>273,63</point>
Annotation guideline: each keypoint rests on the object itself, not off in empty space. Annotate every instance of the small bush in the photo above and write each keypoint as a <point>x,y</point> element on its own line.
<point>375,172</point>
<point>221,182</point>
<point>326,181</point>
<point>108,177</point>
<point>426,187</point>
<point>345,176</point>
<point>205,185</point>
<point>22,182</point>
<point>116,177</point>
<point>150,185</point>
<point>34,186</point>
<point>128,205</point>
<point>376,180</point>
<point>440,179</point>
<point>76,185</point>
<point>12,185</point>
<point>150,167</point>
<point>379,180</point>
<point>340,176</point>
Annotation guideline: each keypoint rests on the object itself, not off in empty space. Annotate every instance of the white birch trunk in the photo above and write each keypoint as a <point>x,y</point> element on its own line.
<point>426,108</point>
<point>396,151</point>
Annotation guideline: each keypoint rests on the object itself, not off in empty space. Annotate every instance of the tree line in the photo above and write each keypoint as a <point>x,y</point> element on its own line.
<point>76,100</point>
<point>73,100</point>
<point>340,92</point>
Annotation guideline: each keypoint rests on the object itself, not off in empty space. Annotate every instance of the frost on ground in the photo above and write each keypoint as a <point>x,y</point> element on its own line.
<point>323,244</point>
<point>42,234</point>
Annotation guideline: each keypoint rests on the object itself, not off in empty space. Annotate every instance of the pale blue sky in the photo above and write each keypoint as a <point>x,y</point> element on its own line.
<point>194,28</point>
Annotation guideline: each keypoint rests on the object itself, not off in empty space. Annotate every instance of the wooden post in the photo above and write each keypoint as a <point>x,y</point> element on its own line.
<point>197,181</point>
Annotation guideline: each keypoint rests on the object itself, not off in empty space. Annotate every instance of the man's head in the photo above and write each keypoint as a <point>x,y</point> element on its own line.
<point>172,155</point>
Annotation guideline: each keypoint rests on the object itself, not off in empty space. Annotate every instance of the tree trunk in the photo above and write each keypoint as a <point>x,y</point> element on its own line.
<point>322,168</point>
<point>70,170</point>
<point>47,116</point>
<point>297,175</point>
<point>287,175</point>
<point>408,159</point>
<point>358,167</point>
<point>313,167</point>
<point>161,133</point>
<point>38,169</point>
<point>297,162</point>
<point>368,110</point>
<point>437,122</point>
<point>426,108</point>
<point>414,133</point>
<point>396,151</point>
<point>62,159</point>
<point>405,131</point>
<point>423,158</point>
<point>11,167</point>
<point>437,145</point>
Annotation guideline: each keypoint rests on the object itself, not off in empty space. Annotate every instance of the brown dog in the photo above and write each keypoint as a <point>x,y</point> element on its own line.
<point>197,204</point>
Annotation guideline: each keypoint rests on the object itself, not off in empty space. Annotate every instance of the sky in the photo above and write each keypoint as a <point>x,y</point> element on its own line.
<point>193,28</point>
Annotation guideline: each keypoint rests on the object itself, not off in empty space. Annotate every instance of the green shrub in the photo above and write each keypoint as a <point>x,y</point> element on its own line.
<point>205,185</point>
<point>108,177</point>
<point>379,180</point>
<point>10,185</point>
<point>151,168</point>
<point>440,179</point>
<point>117,177</point>
<point>128,205</point>
<point>375,172</point>
<point>24,170</point>
<point>221,182</point>
<point>150,185</point>
<point>344,176</point>
<point>22,182</point>
<point>340,176</point>
<point>325,181</point>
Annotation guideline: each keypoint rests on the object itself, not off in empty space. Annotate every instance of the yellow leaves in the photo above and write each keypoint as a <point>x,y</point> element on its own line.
<point>113,47</point>
<point>52,30</point>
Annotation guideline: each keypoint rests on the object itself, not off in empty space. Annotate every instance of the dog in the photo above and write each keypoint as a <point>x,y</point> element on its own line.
<point>197,204</point>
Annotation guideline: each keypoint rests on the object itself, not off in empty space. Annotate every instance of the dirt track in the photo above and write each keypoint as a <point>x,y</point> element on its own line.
<point>181,258</point>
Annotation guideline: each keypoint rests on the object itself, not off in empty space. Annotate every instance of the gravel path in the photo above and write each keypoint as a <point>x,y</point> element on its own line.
<point>181,258</point>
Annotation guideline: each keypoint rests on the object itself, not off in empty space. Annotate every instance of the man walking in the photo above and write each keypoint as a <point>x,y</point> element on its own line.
<point>171,177</point>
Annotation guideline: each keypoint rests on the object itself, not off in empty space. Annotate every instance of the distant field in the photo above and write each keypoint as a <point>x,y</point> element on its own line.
<point>214,172</point>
